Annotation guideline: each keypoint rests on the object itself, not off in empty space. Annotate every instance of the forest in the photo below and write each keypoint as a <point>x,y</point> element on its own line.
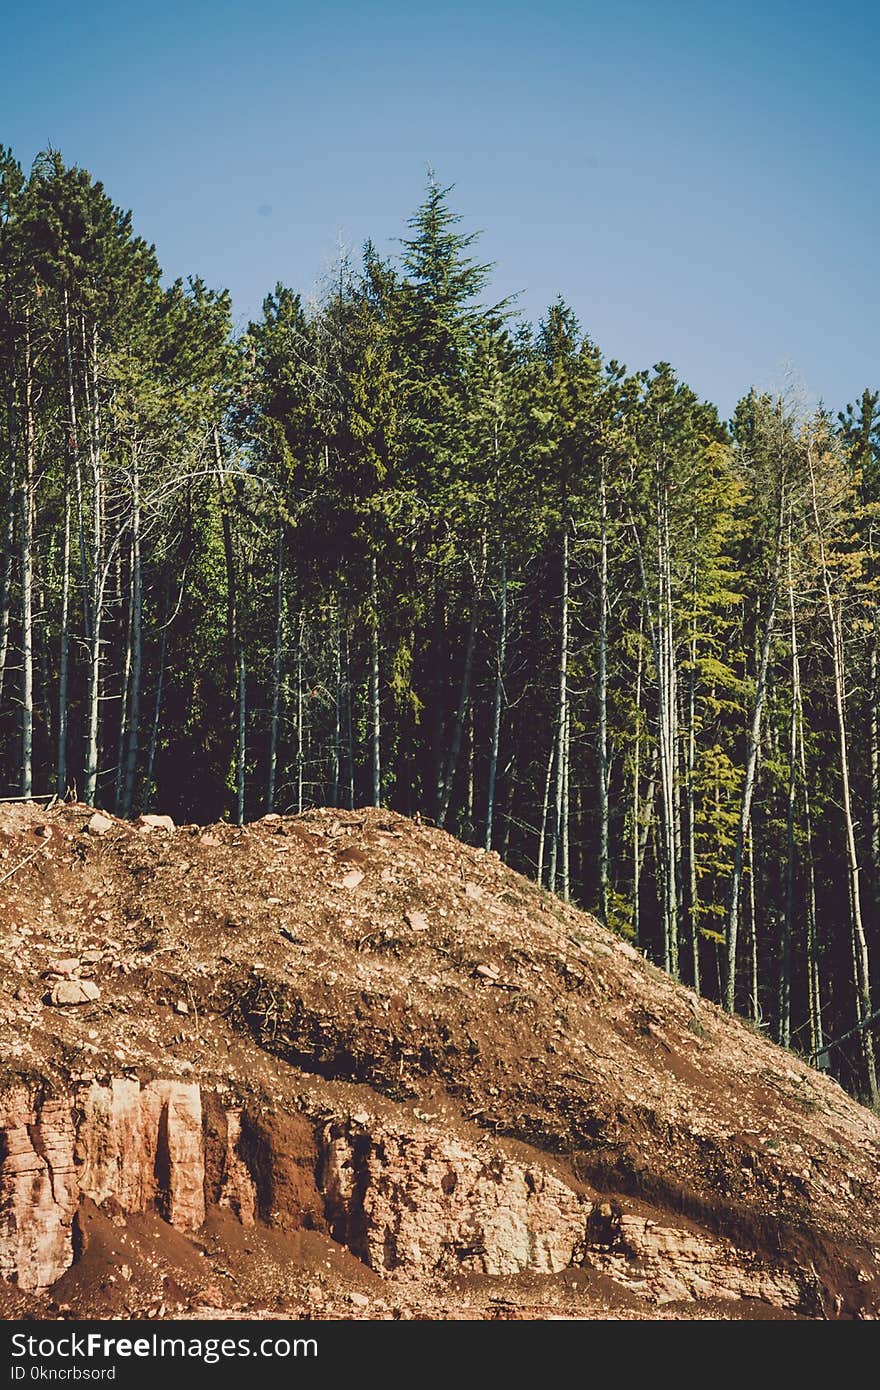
<point>393,545</point>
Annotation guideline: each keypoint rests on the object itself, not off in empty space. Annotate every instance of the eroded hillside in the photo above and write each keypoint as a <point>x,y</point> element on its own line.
<point>343,1065</point>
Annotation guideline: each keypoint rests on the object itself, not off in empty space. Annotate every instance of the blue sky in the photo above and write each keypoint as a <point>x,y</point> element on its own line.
<point>699,180</point>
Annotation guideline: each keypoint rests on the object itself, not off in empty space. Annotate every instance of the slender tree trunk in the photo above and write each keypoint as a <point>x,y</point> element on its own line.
<point>603,699</point>
<point>124,684</point>
<point>783,1025</point>
<point>753,741</point>
<point>635,918</point>
<point>349,722</point>
<point>93,695</point>
<point>147,791</point>
<point>375,710</point>
<point>137,591</point>
<point>690,794</point>
<point>8,556</point>
<point>501,659</point>
<point>26,526</point>
<point>754,993</point>
<point>64,642</point>
<point>336,753</point>
<point>561,716</point>
<point>451,763</point>
<point>566,810</point>
<point>276,671</point>
<point>545,811</point>
<point>300,732</point>
<point>241,757</point>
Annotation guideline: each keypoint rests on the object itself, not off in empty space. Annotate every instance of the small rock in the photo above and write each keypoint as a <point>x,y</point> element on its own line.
<point>63,967</point>
<point>181,1007</point>
<point>43,832</point>
<point>417,920</point>
<point>209,839</point>
<point>152,822</point>
<point>473,891</point>
<point>360,1117</point>
<point>74,992</point>
<point>359,1300</point>
<point>488,972</point>
<point>91,957</point>
<point>352,878</point>
<point>98,824</point>
<point>211,1296</point>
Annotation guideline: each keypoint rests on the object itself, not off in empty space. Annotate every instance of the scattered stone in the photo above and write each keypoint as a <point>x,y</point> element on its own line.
<point>92,956</point>
<point>181,1007</point>
<point>417,920</point>
<point>472,890</point>
<point>63,967</point>
<point>353,878</point>
<point>153,822</point>
<point>43,832</point>
<point>74,992</point>
<point>209,839</point>
<point>99,824</point>
<point>359,1300</point>
<point>488,972</point>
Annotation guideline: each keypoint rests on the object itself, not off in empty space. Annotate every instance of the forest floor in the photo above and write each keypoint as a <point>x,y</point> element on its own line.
<point>359,963</point>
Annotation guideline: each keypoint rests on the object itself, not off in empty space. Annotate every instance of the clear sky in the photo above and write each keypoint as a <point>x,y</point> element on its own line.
<point>699,180</point>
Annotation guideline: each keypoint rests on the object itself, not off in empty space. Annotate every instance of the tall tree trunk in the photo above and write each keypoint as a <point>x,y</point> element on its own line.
<point>783,1023</point>
<point>753,741</point>
<point>93,694</point>
<point>561,716</point>
<point>375,709</point>
<point>241,755</point>
<point>500,663</point>
<point>137,601</point>
<point>690,791</point>
<point>64,645</point>
<point>545,811</point>
<point>602,682</point>
<point>276,670</point>
<point>8,556</point>
<point>454,750</point>
<point>300,731</point>
<point>26,537</point>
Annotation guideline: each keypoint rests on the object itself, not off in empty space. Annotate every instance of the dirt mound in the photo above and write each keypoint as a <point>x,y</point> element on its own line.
<point>344,1057</point>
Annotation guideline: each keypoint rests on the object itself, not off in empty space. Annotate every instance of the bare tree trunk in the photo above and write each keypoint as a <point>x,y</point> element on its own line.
<point>783,1024</point>
<point>753,740</point>
<point>566,816</point>
<point>693,883</point>
<point>147,790</point>
<point>26,537</point>
<point>375,709</point>
<point>336,753</point>
<point>137,602</point>
<point>454,750</point>
<point>603,699</point>
<point>754,995</point>
<point>561,717</point>
<point>501,658</point>
<point>300,738</point>
<point>545,811</point>
<point>124,683</point>
<point>349,721</point>
<point>63,654</point>
<point>93,695</point>
<point>276,670</point>
<point>6,585</point>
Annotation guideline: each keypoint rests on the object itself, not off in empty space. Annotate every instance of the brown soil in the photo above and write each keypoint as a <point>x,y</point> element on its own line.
<point>439,986</point>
